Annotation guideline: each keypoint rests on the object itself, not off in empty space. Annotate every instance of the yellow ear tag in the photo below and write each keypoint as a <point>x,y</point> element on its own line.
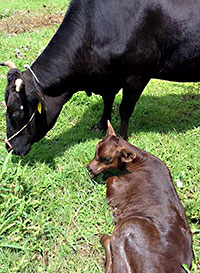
<point>39,107</point>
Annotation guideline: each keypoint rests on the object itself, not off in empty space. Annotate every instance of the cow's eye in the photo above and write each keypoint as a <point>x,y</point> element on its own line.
<point>16,115</point>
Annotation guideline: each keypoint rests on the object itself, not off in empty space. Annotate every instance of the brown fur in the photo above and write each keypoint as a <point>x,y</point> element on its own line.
<point>152,234</point>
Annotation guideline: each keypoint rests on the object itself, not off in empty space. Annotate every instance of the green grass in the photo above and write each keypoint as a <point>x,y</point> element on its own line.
<point>52,214</point>
<point>10,7</point>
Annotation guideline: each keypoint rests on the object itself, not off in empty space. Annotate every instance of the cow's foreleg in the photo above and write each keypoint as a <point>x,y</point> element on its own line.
<point>108,103</point>
<point>131,93</point>
<point>105,241</point>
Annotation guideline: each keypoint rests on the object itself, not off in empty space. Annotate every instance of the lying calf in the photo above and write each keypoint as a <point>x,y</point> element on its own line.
<point>152,234</point>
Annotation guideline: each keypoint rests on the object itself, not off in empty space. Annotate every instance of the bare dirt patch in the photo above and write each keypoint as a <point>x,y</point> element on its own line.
<point>27,21</point>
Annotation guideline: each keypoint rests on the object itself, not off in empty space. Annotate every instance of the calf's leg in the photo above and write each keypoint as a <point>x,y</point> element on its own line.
<point>105,241</point>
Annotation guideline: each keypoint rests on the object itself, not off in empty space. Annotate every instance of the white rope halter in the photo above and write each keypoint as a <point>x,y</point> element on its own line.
<point>32,72</point>
<point>7,140</point>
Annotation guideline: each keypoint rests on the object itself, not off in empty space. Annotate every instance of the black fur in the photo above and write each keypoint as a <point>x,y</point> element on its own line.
<point>105,45</point>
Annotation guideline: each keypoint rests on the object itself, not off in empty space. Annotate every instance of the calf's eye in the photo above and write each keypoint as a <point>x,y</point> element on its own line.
<point>106,159</point>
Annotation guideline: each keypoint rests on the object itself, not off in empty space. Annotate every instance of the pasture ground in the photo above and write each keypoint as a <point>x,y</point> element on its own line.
<point>52,214</point>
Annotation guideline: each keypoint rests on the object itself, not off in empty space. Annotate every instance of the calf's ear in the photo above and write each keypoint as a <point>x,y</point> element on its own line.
<point>110,130</point>
<point>127,156</point>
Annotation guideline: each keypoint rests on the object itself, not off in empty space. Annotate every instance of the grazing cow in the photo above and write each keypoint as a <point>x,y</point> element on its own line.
<point>152,234</point>
<point>102,46</point>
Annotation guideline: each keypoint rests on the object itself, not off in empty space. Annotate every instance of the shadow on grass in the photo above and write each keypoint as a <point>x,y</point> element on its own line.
<point>162,114</point>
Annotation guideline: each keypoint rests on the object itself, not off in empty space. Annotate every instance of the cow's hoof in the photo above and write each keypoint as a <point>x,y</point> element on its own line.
<point>98,128</point>
<point>123,130</point>
<point>123,135</point>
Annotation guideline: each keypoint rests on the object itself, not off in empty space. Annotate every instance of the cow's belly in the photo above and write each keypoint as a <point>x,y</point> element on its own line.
<point>183,65</point>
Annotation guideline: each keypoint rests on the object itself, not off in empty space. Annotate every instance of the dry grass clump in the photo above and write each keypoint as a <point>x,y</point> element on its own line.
<point>27,21</point>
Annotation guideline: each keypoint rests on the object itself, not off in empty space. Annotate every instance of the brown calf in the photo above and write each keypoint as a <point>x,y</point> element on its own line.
<point>152,234</point>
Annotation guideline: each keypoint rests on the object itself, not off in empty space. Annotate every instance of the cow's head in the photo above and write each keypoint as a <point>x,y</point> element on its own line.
<point>26,117</point>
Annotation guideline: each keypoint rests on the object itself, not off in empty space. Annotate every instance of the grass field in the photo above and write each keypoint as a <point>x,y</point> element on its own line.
<point>52,214</point>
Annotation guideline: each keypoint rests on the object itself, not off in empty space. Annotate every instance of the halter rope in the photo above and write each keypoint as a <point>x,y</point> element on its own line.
<point>7,140</point>
<point>32,72</point>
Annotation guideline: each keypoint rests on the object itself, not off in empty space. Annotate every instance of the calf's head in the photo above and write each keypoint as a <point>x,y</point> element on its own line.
<point>111,153</point>
<point>26,112</point>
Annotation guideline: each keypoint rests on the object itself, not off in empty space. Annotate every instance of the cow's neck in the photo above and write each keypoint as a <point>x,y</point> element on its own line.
<point>54,106</point>
<point>60,65</point>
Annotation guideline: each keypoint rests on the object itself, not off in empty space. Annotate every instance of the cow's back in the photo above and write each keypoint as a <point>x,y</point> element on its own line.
<point>158,38</point>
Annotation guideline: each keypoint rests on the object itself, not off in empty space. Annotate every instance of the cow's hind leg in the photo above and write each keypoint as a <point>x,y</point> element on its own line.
<point>105,241</point>
<point>107,112</point>
<point>131,93</point>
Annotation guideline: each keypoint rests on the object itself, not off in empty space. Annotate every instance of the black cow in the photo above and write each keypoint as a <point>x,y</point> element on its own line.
<point>103,46</point>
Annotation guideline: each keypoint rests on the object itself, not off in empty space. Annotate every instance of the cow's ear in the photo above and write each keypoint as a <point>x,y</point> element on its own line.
<point>35,99</point>
<point>34,96</point>
<point>127,156</point>
<point>110,130</point>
